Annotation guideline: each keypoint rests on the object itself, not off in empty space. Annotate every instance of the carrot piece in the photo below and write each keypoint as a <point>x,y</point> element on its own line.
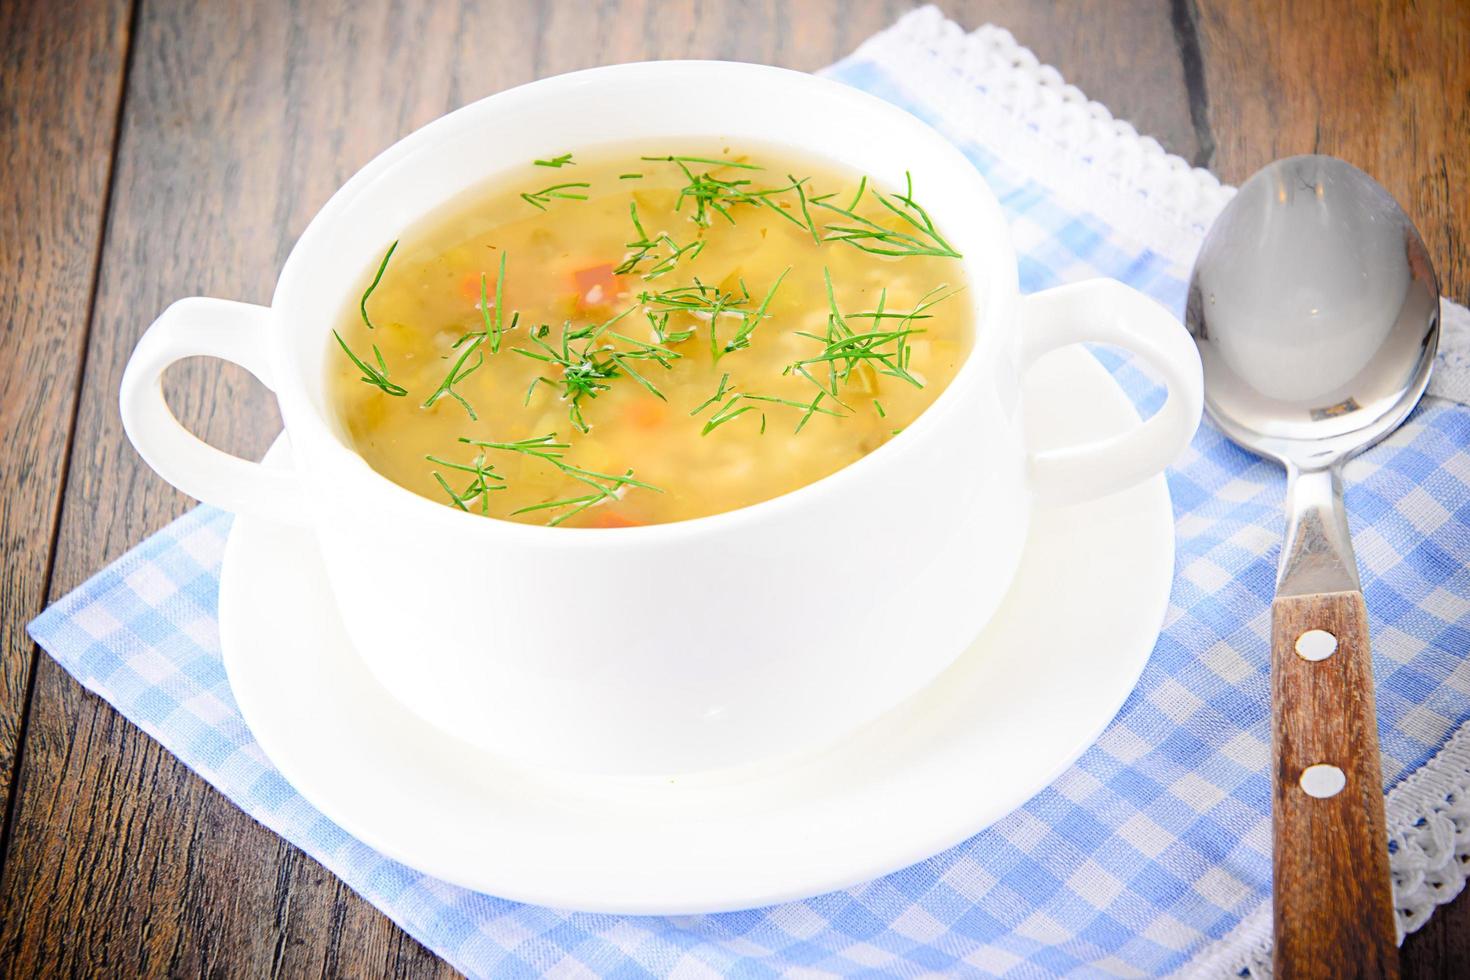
<point>469,287</point>
<point>647,412</point>
<point>611,518</point>
<point>596,286</point>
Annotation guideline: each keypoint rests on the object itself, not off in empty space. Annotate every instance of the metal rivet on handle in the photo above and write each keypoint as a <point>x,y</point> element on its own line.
<point>1316,645</point>
<point>1322,781</point>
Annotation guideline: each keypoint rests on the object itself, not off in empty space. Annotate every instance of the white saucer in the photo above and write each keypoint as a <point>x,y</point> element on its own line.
<point>1033,692</point>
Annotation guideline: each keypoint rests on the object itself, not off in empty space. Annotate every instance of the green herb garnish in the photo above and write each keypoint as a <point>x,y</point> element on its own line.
<point>605,486</point>
<point>707,160</point>
<point>561,161</point>
<point>813,409</point>
<point>710,303</point>
<point>806,213</point>
<point>375,376</point>
<point>376,279</point>
<point>647,246</point>
<point>482,483</point>
<point>886,351</point>
<point>588,370</point>
<point>492,329</point>
<point>539,199</point>
<point>630,176</point>
<point>462,368</point>
<point>731,407</point>
<point>457,373</point>
<point>741,340</point>
<point>701,301</point>
<point>660,324</point>
<point>868,235</point>
<point>710,193</point>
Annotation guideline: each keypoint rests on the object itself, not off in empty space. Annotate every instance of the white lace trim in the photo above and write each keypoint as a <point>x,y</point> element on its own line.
<point>1451,378</point>
<point>1429,831</point>
<point>968,76</point>
<point>1428,815</point>
<point>986,87</point>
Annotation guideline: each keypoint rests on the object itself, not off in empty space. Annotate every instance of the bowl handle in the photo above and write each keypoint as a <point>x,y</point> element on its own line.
<point>1106,311</point>
<point>220,328</point>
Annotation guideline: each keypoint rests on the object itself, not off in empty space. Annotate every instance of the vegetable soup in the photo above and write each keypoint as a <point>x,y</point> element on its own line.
<point>627,337</point>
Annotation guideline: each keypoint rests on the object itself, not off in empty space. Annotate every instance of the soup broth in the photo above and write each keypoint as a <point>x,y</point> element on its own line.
<point>625,337</point>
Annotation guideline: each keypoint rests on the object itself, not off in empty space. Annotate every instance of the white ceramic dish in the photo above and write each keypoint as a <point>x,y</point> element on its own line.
<point>482,626</point>
<point>1048,674</point>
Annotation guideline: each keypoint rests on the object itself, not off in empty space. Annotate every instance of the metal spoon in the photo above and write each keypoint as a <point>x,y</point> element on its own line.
<point>1316,312</point>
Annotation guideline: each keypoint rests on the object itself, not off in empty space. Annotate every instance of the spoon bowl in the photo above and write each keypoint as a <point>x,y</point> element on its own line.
<point>1316,312</point>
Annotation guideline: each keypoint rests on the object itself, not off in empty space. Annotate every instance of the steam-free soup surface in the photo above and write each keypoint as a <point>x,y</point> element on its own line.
<point>606,340</point>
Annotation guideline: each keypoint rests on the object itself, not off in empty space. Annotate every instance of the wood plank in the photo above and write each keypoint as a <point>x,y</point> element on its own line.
<point>1386,87</point>
<point>240,121</point>
<point>61,75</point>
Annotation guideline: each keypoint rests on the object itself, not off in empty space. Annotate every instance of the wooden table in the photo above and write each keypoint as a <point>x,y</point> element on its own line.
<point>155,149</point>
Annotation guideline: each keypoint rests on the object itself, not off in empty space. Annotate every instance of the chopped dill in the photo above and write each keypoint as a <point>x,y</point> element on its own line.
<point>630,176</point>
<point>726,413</point>
<point>741,340</point>
<point>868,235</point>
<point>492,329</point>
<point>489,336</point>
<point>376,279</point>
<point>697,298</point>
<point>646,247</point>
<point>539,199</point>
<point>805,211</point>
<point>719,395</point>
<point>482,483</point>
<point>731,407</point>
<point>457,373</point>
<point>813,409</point>
<point>661,333</point>
<point>588,370</point>
<point>561,161</point>
<point>712,194</point>
<point>706,302</point>
<point>738,164</point>
<point>702,302</point>
<point>886,351</point>
<point>878,407</point>
<point>375,376</point>
<point>605,486</point>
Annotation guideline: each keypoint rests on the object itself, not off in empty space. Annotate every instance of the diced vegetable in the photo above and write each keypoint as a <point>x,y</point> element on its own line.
<point>648,412</point>
<point>596,286</point>
<point>611,518</point>
<point>469,286</point>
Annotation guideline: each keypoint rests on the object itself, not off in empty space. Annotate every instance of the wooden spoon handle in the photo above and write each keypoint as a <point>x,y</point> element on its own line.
<point>1333,903</point>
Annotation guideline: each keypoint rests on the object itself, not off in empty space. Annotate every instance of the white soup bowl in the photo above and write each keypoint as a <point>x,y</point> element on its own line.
<point>705,643</point>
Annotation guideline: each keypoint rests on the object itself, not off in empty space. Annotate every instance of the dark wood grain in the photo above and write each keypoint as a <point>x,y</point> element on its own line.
<point>238,122</point>
<point>1333,905</point>
<point>1385,86</point>
<point>60,85</point>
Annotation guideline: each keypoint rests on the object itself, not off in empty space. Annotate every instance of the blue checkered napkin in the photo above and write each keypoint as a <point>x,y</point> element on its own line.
<point>1152,853</point>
